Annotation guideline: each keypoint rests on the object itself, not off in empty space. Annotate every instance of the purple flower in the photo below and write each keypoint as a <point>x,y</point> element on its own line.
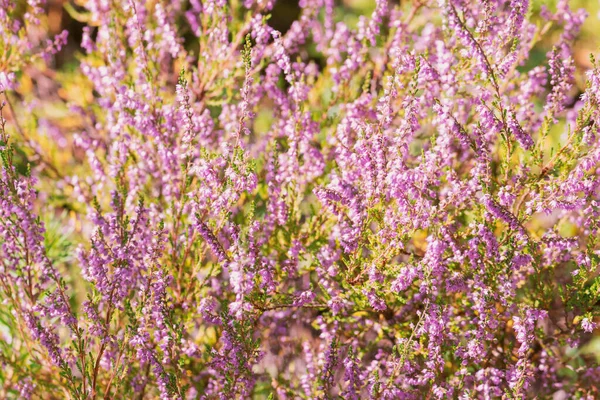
<point>587,325</point>
<point>517,131</point>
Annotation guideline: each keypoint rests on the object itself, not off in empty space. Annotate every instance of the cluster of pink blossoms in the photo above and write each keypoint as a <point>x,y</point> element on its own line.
<point>399,204</point>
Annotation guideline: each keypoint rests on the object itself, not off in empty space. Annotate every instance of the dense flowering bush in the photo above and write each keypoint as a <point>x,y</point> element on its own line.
<point>401,205</point>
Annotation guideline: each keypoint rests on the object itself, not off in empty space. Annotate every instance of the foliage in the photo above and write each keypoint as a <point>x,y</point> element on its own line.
<point>400,204</point>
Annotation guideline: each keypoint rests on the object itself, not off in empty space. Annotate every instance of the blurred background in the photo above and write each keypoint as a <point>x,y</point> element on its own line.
<point>62,14</point>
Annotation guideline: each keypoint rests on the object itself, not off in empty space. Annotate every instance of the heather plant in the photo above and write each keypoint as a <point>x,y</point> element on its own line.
<point>397,204</point>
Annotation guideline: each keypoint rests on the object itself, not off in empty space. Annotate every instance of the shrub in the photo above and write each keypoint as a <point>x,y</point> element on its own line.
<point>391,206</point>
